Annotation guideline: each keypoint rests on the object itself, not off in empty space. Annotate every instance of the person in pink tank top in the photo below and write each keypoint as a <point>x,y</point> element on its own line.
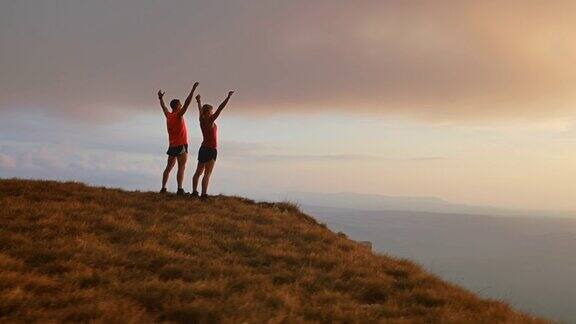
<point>208,149</point>
<point>177,138</point>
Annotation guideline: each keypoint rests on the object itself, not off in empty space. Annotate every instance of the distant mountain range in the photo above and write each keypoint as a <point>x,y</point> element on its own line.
<point>372,202</point>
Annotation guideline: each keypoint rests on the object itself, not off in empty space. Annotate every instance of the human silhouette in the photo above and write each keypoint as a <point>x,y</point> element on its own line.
<point>177,137</point>
<point>208,151</point>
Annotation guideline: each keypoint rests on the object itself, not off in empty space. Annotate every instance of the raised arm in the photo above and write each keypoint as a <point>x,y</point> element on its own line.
<point>161,98</point>
<point>188,100</point>
<point>222,105</point>
<point>199,104</point>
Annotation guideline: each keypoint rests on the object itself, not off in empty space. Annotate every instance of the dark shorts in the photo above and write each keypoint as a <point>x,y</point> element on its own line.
<point>177,150</point>
<point>206,154</point>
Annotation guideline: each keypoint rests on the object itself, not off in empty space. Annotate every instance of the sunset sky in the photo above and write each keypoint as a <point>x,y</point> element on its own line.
<point>469,101</point>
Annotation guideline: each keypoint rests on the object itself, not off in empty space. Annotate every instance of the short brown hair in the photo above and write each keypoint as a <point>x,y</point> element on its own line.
<point>174,102</point>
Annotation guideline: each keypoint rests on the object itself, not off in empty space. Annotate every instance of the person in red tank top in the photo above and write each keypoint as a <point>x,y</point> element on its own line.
<point>177,138</point>
<point>208,149</point>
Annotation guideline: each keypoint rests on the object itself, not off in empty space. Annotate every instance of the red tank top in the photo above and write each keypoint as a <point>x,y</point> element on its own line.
<point>177,132</point>
<point>210,134</point>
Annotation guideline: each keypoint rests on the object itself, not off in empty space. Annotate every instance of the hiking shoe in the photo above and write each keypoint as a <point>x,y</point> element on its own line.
<point>194,194</point>
<point>204,197</point>
<point>180,192</point>
<point>163,191</point>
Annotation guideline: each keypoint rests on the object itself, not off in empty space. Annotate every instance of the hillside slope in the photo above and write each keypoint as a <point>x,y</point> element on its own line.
<point>76,253</point>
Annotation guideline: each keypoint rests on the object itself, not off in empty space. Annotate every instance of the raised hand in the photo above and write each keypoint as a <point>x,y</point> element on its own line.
<point>161,97</point>
<point>188,100</point>
<point>198,98</point>
<point>230,93</point>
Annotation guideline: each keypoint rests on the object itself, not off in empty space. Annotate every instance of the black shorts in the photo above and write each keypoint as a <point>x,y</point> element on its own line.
<point>206,154</point>
<point>177,150</point>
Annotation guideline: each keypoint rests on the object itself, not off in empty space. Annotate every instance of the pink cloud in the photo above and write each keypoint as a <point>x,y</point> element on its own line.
<point>448,60</point>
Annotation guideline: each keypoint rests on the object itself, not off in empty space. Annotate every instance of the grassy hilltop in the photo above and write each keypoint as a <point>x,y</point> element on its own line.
<point>69,252</point>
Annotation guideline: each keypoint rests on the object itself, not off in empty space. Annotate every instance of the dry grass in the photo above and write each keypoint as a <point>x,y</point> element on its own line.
<point>69,252</point>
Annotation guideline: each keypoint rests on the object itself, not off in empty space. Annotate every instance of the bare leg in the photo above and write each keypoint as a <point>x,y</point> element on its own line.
<point>181,168</point>
<point>169,166</point>
<point>209,166</point>
<point>197,174</point>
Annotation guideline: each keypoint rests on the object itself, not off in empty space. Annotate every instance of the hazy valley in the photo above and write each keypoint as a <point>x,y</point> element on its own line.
<point>528,261</point>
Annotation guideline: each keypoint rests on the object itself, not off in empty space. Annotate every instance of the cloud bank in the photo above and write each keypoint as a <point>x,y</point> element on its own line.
<point>449,60</point>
